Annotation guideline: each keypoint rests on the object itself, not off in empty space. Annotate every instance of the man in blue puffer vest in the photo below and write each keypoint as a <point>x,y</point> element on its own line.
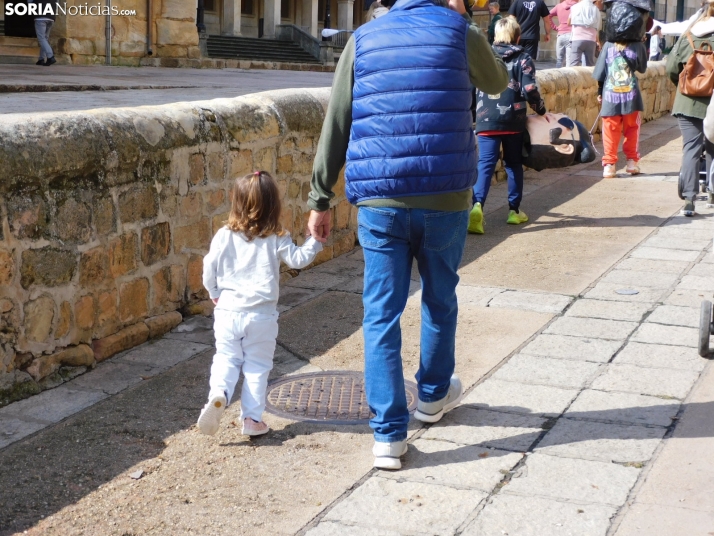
<point>399,114</point>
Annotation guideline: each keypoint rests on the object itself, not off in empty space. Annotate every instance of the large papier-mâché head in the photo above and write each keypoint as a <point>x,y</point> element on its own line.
<point>554,141</point>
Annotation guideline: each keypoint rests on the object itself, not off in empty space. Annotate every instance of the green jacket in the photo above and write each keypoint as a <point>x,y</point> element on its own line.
<point>492,27</point>
<point>695,107</point>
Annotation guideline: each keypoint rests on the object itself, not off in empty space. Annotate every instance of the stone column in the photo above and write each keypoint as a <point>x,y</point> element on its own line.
<point>231,17</point>
<point>309,16</point>
<point>345,14</point>
<point>271,18</point>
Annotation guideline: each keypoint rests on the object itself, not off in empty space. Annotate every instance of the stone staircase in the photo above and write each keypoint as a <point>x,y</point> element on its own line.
<point>17,49</point>
<point>250,48</point>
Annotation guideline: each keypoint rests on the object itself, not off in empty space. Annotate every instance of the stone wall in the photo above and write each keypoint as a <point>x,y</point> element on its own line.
<point>106,214</point>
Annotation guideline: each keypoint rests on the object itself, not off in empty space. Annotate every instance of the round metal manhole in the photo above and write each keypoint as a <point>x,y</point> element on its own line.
<point>332,397</point>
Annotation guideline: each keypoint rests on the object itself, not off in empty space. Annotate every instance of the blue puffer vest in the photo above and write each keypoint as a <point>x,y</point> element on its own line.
<point>411,120</point>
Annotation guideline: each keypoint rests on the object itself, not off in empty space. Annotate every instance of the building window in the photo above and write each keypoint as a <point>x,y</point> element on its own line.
<point>246,7</point>
<point>285,9</point>
<point>209,5</point>
<point>320,10</point>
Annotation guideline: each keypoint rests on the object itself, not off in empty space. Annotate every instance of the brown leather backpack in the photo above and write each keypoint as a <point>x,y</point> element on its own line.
<point>697,76</point>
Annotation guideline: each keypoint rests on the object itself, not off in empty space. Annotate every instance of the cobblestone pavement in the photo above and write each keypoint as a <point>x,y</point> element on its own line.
<point>588,410</point>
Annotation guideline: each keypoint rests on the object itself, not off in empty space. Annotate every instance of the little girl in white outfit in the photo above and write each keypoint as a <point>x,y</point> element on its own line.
<point>241,273</point>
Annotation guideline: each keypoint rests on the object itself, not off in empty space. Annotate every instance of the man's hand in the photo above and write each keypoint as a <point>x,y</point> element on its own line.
<point>458,6</point>
<point>318,225</point>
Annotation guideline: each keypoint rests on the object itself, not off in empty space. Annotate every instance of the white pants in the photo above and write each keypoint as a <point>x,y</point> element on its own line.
<point>243,341</point>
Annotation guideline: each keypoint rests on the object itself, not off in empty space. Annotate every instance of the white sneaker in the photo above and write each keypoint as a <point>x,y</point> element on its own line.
<point>211,415</point>
<point>434,411</point>
<point>608,172</point>
<point>386,455</point>
<point>632,167</point>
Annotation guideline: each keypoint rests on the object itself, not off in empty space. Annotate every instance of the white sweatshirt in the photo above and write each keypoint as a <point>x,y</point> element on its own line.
<point>245,275</point>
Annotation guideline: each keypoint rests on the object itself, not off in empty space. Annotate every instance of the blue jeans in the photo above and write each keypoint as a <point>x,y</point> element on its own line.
<point>488,152</point>
<point>391,238</point>
<point>42,31</point>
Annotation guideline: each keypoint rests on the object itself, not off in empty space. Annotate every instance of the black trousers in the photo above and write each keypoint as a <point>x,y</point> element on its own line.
<point>693,142</point>
<point>531,47</point>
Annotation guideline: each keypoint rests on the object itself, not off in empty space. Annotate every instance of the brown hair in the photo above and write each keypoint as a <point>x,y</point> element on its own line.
<point>255,206</point>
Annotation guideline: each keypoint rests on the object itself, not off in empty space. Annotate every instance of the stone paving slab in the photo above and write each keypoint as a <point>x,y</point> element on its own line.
<point>531,301</point>
<point>665,383</point>
<point>200,336</point>
<point>522,368</point>
<point>457,466</point>
<point>636,279</point>
<point>162,353</point>
<point>480,296</point>
<point>536,516</point>
<point>293,296</point>
<point>660,356</point>
<point>330,528</point>
<point>566,347</point>
<point>407,507</point>
<point>468,426</point>
<point>623,408</point>
<point>318,281</point>
<point>591,328</point>
<point>675,316</point>
<point>609,310</point>
<point>15,428</point>
<point>665,521</point>
<point>524,398</point>
<point>607,291</point>
<point>663,254</point>
<point>343,265</point>
<point>677,243</point>
<point>708,259</point>
<point>698,222</point>
<point>702,270</point>
<point>601,442</point>
<point>53,405</point>
<point>697,282</point>
<point>650,265</point>
<point>573,480</point>
<point>688,298</point>
<point>661,334</point>
<point>112,377</point>
<point>685,232</point>
<point>355,284</point>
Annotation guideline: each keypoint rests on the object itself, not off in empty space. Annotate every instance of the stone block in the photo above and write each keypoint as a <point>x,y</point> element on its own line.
<point>609,443</point>
<point>591,328</point>
<point>27,216</point>
<point>609,310</point>
<point>216,165</point>
<point>162,353</point>
<point>39,314</point>
<point>158,325</point>
<point>677,243</point>
<point>568,479</point>
<point>72,222</point>
<point>120,341</point>
<point>264,159</point>
<point>468,426</point>
<point>651,265</point>
<point>168,200</point>
<point>446,464</point>
<point>537,516</point>
<point>107,311</point>
<point>664,383</point>
<point>527,399</point>
<point>241,163</point>
<point>122,254</point>
<point>196,163</point>
<point>608,291</point>
<point>663,254</point>
<point>191,207</point>
<point>285,164</point>
<point>155,243</point>
<point>531,301</point>
<point>194,236</point>
<point>47,266</point>
<point>203,308</point>
<point>7,267</point>
<point>637,279</point>
<point>675,316</point>
<point>93,266</point>
<point>139,202</point>
<point>64,322</point>
<point>104,215</point>
<point>215,200</point>
<point>406,507</point>
<point>660,356</point>
<point>173,32</point>
<point>218,221</point>
<point>565,373</point>
<point>194,278</point>
<point>672,335</point>
<point>55,404</point>
<point>133,298</point>
<point>84,312</point>
<point>698,282</point>
<point>623,408</point>
<point>74,356</point>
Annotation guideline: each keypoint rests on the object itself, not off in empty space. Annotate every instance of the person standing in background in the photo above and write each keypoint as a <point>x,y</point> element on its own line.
<point>562,46</point>
<point>585,19</point>
<point>528,14</point>
<point>495,10</point>
<point>656,44</point>
<point>43,27</point>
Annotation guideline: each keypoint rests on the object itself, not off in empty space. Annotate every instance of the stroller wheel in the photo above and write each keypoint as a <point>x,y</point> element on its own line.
<point>706,328</point>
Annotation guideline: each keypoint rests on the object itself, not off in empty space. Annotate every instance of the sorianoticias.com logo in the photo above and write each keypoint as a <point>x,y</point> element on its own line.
<point>47,8</point>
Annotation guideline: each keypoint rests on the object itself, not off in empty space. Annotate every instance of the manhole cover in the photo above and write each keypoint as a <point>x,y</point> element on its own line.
<point>335,397</point>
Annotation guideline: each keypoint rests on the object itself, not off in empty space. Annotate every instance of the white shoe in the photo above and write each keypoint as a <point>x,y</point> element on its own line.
<point>386,455</point>
<point>211,414</point>
<point>608,172</point>
<point>632,167</point>
<point>434,411</point>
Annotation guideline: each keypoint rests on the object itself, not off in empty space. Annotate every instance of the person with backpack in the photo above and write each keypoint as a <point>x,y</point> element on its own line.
<point>585,19</point>
<point>501,122</point>
<point>690,111</point>
<point>621,100</point>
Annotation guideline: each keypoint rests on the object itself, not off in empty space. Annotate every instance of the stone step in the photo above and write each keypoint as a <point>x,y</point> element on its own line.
<point>18,41</point>
<point>220,46</point>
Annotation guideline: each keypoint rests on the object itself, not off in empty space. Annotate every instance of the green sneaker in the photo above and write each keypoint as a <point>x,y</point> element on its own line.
<point>516,218</point>
<point>476,220</point>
